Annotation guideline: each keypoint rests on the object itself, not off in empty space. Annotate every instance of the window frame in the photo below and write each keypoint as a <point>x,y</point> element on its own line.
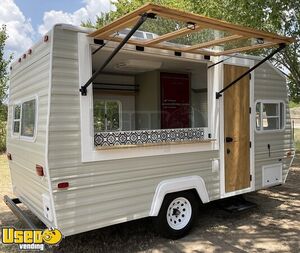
<point>18,135</point>
<point>16,120</point>
<point>120,115</point>
<point>277,102</point>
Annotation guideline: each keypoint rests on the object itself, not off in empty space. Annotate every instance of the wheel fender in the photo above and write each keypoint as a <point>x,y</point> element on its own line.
<point>176,185</point>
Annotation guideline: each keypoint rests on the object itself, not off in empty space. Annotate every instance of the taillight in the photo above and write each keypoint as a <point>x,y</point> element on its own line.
<point>9,156</point>
<point>63,185</point>
<point>39,170</point>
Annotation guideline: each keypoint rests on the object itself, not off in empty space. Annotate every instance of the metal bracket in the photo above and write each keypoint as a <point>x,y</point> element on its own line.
<point>142,19</point>
<point>220,62</point>
<point>281,46</point>
<point>12,204</point>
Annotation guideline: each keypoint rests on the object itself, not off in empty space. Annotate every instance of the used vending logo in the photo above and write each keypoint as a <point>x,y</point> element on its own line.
<point>31,239</point>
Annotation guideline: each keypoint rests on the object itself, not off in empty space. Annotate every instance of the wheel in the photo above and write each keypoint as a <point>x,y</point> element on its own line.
<point>177,214</point>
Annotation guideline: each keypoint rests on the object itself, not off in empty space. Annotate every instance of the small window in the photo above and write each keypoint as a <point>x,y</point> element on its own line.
<point>17,119</point>
<point>107,115</point>
<point>269,116</point>
<point>24,119</point>
<point>28,118</point>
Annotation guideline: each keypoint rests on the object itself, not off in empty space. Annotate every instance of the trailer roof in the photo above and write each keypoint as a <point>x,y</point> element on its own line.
<point>181,31</point>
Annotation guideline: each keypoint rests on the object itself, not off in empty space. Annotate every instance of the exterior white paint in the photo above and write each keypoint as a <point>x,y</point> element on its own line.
<point>176,185</point>
<point>117,185</point>
<point>272,174</point>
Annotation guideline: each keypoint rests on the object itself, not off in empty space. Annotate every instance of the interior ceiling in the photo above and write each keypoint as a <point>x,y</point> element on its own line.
<point>140,63</point>
<point>194,33</point>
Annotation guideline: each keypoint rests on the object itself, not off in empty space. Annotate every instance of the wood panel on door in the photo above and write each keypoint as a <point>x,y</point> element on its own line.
<point>236,129</point>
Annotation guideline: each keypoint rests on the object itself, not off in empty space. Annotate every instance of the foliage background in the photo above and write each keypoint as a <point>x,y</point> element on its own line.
<point>3,89</point>
<point>279,16</point>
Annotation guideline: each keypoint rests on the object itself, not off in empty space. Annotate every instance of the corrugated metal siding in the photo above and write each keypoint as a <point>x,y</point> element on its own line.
<point>30,78</point>
<point>269,84</point>
<point>108,192</point>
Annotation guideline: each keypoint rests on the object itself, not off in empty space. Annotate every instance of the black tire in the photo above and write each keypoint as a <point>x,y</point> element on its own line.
<point>177,227</point>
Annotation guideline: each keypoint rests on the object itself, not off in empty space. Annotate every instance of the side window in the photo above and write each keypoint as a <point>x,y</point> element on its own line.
<point>107,115</point>
<point>269,116</point>
<point>28,118</point>
<point>24,119</point>
<point>16,119</point>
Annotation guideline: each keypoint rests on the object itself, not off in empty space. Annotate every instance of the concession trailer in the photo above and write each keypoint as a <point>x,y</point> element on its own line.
<point>150,115</point>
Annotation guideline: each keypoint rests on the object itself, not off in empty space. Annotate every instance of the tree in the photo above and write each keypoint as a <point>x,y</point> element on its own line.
<point>3,66</point>
<point>279,16</point>
<point>3,88</point>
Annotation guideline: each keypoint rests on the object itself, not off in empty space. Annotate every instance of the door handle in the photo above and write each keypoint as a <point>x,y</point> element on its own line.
<point>229,139</point>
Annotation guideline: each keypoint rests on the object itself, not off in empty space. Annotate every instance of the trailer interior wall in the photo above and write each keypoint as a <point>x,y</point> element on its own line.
<point>103,193</point>
<point>270,85</point>
<point>141,107</point>
<point>127,99</point>
<point>29,79</point>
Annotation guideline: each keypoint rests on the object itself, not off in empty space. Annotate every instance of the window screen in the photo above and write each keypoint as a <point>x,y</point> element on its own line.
<point>269,116</point>
<point>28,118</point>
<point>16,120</point>
<point>107,115</point>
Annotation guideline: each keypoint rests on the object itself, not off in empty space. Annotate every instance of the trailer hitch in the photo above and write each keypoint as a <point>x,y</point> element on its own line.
<point>142,19</point>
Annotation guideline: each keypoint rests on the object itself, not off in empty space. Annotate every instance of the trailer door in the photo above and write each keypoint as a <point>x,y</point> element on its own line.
<point>236,130</point>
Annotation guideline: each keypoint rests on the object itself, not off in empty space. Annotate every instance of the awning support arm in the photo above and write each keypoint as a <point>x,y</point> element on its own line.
<point>281,46</point>
<point>217,63</point>
<point>142,19</point>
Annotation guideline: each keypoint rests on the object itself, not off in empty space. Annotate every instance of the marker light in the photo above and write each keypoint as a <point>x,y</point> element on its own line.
<point>46,38</point>
<point>9,156</point>
<point>39,170</point>
<point>63,185</point>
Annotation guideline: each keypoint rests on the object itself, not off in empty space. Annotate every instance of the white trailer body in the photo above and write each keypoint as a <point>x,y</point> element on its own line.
<point>92,180</point>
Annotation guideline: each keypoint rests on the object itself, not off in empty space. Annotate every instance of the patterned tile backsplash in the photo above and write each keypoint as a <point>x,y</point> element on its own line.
<point>118,138</point>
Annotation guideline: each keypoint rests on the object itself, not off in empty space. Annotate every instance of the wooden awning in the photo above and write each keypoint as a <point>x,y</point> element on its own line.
<point>209,36</point>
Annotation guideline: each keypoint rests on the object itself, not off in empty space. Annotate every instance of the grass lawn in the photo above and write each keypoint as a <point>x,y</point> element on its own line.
<point>293,104</point>
<point>297,139</point>
<point>5,183</point>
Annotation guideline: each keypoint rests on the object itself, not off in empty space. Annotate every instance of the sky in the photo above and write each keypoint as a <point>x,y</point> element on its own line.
<point>27,20</point>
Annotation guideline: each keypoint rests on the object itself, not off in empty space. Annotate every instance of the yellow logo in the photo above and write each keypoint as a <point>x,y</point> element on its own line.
<point>52,237</point>
<point>31,239</point>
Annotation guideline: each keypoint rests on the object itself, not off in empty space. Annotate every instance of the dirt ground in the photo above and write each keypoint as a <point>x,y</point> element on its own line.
<point>273,226</point>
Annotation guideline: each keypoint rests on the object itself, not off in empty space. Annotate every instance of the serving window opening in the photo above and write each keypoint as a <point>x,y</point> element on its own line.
<point>147,100</point>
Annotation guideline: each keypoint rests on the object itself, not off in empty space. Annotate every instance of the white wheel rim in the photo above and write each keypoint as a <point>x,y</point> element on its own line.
<point>179,213</point>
